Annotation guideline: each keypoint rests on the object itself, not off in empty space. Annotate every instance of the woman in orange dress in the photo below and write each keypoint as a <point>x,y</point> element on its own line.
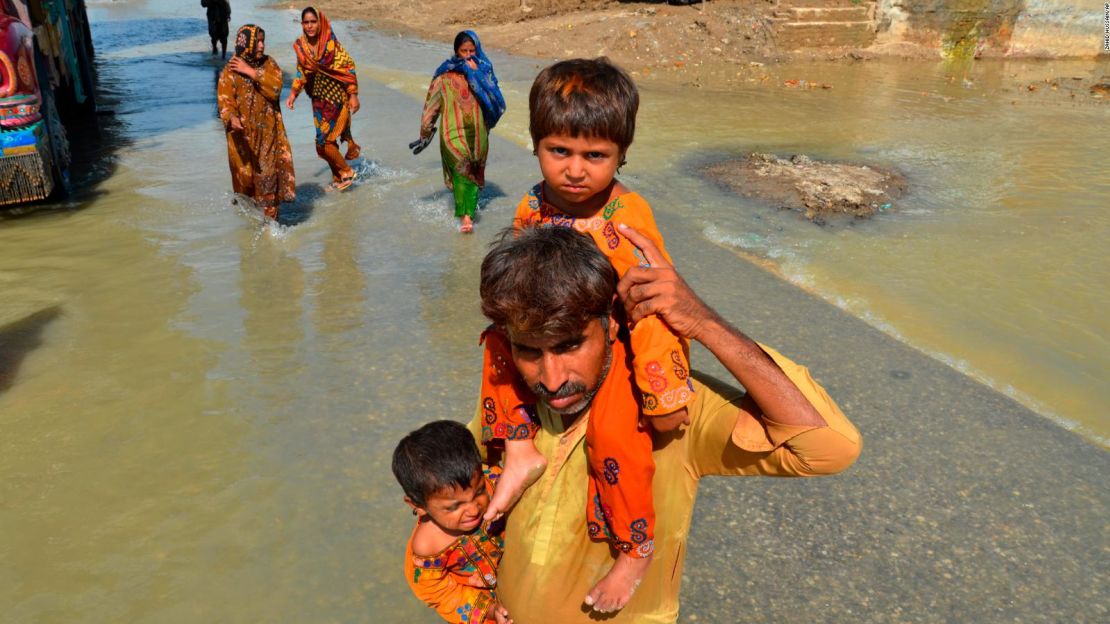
<point>327,72</point>
<point>248,95</point>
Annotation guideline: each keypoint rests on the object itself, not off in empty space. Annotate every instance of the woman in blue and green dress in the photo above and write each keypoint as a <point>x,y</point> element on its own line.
<point>465,97</point>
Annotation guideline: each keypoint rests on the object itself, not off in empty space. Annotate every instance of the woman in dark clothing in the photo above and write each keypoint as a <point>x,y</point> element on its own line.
<point>219,14</point>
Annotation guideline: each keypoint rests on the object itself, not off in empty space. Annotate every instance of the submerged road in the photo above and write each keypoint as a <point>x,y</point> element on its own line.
<point>198,411</point>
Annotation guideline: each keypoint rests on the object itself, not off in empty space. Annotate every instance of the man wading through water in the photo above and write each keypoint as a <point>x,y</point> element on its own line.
<point>219,14</point>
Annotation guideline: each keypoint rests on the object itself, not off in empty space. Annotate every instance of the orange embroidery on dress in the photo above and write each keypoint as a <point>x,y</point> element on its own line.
<point>679,367</point>
<point>655,376</point>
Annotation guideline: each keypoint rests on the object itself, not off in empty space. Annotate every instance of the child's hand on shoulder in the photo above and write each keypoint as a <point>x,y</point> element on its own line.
<point>501,614</point>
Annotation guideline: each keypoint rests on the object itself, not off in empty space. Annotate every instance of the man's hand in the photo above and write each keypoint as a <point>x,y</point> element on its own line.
<point>354,103</point>
<point>240,66</point>
<point>661,291</point>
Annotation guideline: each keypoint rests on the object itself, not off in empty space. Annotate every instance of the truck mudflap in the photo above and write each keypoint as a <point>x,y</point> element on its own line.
<point>26,165</point>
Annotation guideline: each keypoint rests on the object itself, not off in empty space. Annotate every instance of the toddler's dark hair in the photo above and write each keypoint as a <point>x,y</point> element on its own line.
<point>439,455</point>
<point>584,98</point>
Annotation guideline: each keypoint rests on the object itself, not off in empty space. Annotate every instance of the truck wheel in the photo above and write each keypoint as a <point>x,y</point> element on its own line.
<point>59,149</point>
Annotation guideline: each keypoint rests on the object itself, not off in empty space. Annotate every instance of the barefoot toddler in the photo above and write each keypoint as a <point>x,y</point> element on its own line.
<point>451,558</point>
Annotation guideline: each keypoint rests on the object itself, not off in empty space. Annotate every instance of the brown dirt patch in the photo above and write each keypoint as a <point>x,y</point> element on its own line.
<point>701,45</point>
<point>817,189</point>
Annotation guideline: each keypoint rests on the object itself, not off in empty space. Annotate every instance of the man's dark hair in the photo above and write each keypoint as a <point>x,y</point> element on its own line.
<point>546,281</point>
<point>437,456</point>
<point>589,98</point>
<point>462,38</point>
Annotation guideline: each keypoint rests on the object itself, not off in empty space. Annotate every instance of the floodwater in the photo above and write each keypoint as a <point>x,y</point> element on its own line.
<point>198,410</point>
<point>995,262</point>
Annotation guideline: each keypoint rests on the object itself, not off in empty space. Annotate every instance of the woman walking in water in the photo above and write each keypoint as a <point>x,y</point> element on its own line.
<point>465,97</point>
<point>219,14</point>
<point>327,72</point>
<point>248,94</point>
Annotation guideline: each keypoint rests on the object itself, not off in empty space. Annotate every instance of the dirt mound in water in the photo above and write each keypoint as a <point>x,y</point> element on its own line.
<point>817,189</point>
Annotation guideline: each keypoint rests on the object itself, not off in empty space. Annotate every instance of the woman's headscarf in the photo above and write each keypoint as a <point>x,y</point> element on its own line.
<point>316,57</point>
<point>246,44</point>
<point>482,81</point>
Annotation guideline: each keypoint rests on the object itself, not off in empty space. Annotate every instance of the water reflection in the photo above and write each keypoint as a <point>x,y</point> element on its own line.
<point>340,285</point>
<point>453,328</point>
<point>163,106</point>
<point>271,293</point>
<point>119,35</point>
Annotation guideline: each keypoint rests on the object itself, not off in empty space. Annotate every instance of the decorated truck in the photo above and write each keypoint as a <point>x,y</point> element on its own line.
<point>46,74</point>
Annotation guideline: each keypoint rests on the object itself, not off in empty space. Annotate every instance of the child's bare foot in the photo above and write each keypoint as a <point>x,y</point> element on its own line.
<point>523,465</point>
<point>668,422</point>
<point>614,591</point>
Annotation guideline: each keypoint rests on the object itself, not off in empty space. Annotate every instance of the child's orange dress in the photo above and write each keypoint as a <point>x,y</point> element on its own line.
<point>655,378</point>
<point>460,581</point>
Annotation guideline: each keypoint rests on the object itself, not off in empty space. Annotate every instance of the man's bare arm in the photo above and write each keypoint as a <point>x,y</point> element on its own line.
<point>660,290</point>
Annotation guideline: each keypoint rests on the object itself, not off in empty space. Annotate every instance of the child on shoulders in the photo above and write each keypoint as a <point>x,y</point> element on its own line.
<point>582,121</point>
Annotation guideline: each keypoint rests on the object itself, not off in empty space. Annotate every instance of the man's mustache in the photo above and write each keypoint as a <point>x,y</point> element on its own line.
<point>567,389</point>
